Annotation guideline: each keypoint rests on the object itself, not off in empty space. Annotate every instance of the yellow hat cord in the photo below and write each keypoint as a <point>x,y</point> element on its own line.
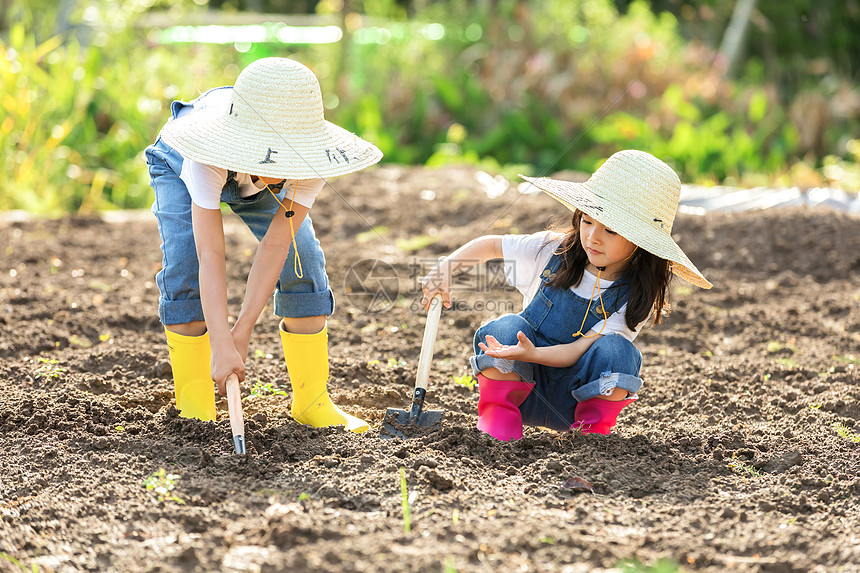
<point>600,297</point>
<point>590,300</point>
<point>288,213</point>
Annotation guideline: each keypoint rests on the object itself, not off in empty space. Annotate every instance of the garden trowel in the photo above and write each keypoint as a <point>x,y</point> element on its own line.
<point>397,421</point>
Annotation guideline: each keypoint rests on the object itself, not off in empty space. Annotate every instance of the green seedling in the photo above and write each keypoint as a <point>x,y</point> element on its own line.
<point>394,362</point>
<point>661,566</point>
<point>466,380</point>
<point>161,484</point>
<point>5,556</point>
<point>404,502</point>
<point>48,369</point>
<point>303,497</point>
<point>373,233</point>
<point>267,389</point>
<point>849,359</point>
<point>787,362</point>
<point>740,467</point>
<point>415,243</point>
<point>846,432</point>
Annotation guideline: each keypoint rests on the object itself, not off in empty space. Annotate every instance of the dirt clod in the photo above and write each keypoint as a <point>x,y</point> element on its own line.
<point>741,453</point>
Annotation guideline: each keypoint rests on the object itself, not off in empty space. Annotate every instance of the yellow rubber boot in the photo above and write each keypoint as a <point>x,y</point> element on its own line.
<point>192,384</point>
<point>307,364</point>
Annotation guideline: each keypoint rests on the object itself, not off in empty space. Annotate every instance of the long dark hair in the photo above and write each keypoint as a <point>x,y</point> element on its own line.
<point>648,275</point>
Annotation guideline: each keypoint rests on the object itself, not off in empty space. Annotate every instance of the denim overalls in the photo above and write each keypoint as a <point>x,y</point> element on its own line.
<point>178,280</point>
<point>552,317</point>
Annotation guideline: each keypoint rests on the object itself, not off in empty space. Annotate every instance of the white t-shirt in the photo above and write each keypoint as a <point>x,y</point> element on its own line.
<point>525,260</point>
<point>205,182</point>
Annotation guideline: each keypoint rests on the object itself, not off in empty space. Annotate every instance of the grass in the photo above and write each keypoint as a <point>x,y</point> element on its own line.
<point>48,369</point>
<point>466,380</point>
<point>161,484</point>
<point>740,467</point>
<point>267,389</point>
<point>404,502</point>
<point>849,359</point>
<point>5,556</point>
<point>660,566</point>
<point>416,243</point>
<point>846,432</point>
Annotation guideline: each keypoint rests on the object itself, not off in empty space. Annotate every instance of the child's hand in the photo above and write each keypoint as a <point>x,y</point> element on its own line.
<point>524,350</point>
<point>226,360</point>
<point>437,281</point>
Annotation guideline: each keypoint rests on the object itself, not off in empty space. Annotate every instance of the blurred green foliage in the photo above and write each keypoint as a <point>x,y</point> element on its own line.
<point>540,86</point>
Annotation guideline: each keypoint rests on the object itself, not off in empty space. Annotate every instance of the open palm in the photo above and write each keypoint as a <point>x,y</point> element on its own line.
<point>523,350</point>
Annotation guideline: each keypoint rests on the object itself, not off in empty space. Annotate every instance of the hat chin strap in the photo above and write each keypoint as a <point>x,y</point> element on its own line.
<point>600,297</point>
<point>288,213</point>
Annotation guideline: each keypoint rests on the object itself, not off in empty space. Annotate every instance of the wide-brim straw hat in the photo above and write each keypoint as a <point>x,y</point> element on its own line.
<point>636,195</point>
<point>271,126</point>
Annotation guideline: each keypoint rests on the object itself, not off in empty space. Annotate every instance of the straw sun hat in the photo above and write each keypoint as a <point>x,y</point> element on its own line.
<point>272,125</point>
<point>636,195</point>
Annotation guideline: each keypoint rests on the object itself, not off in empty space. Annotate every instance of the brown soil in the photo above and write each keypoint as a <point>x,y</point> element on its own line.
<point>741,454</point>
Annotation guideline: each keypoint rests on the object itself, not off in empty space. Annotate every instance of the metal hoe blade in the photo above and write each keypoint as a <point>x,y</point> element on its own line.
<point>398,422</point>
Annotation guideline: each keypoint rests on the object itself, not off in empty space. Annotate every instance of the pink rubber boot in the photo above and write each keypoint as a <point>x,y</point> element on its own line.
<point>498,407</point>
<point>597,416</point>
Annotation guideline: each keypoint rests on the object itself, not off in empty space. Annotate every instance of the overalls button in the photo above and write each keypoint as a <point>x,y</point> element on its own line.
<point>545,273</point>
<point>552,276</point>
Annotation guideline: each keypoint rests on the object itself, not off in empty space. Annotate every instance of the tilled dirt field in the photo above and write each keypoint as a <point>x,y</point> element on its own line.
<point>742,453</point>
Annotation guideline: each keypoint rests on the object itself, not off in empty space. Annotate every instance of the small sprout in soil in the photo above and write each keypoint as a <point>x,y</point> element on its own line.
<point>80,342</point>
<point>548,540</point>
<point>404,501</point>
<point>260,354</point>
<point>120,429</point>
<point>266,389</point>
<point>766,377</point>
<point>455,516</point>
<point>661,566</point>
<point>740,467</point>
<point>5,556</point>
<point>816,406</point>
<point>161,483</point>
<point>449,566</point>
<point>846,432</point>
<point>787,362</point>
<point>465,380</point>
<point>303,497</point>
<point>372,362</point>
<point>48,369</point>
<point>104,337</point>
<point>848,359</point>
<point>394,362</point>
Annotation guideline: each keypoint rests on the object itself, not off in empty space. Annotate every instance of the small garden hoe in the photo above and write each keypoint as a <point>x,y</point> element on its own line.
<point>234,407</point>
<point>396,421</point>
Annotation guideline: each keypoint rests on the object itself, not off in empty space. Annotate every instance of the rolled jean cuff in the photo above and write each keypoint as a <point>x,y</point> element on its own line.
<point>179,311</point>
<point>303,304</point>
<point>481,362</point>
<point>604,385</point>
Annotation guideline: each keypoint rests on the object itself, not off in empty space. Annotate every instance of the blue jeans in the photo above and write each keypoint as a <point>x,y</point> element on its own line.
<point>611,362</point>
<point>178,279</point>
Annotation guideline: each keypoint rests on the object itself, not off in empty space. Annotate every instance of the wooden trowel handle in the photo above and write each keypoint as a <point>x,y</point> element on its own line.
<point>234,407</point>
<point>426,358</point>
